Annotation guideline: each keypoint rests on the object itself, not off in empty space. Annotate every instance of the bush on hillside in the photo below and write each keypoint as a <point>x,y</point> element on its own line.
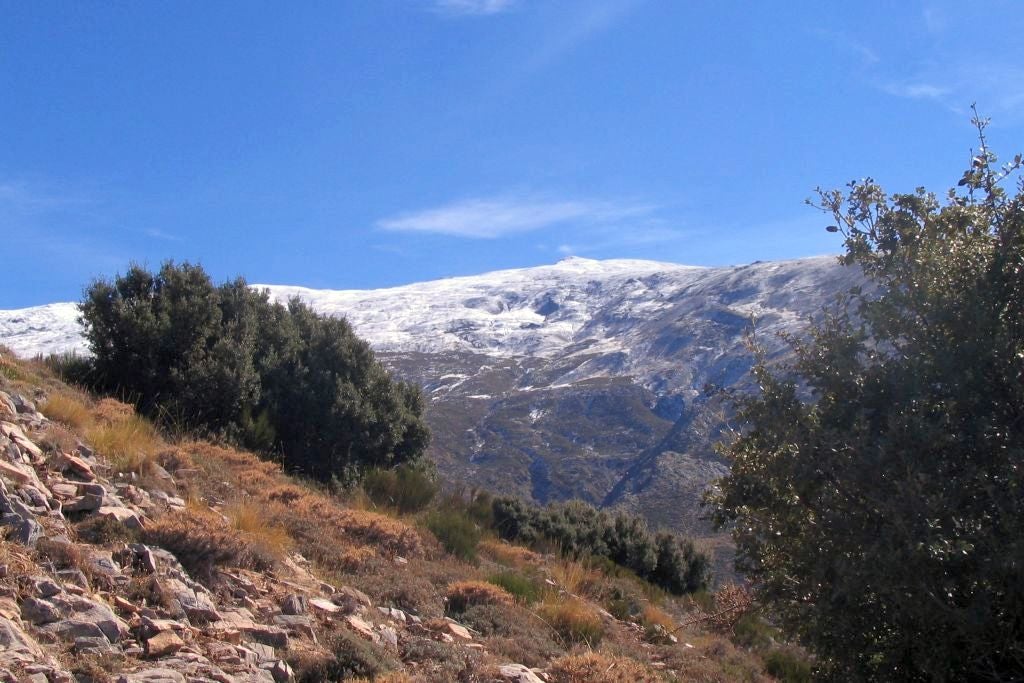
<point>407,488</point>
<point>580,530</point>
<point>875,488</point>
<point>225,360</point>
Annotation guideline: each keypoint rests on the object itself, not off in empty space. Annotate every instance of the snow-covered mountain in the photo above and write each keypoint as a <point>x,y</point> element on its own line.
<point>583,378</point>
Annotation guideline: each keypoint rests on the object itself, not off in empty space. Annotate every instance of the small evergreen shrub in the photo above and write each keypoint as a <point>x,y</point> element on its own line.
<point>456,532</point>
<point>581,531</point>
<point>525,589</point>
<point>788,666</point>
<point>406,488</point>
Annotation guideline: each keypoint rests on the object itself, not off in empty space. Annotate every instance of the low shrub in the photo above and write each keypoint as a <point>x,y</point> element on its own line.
<point>70,367</point>
<point>407,488</point>
<point>456,532</point>
<point>103,530</point>
<point>463,594</point>
<point>788,666</point>
<point>203,541</point>
<point>595,667</point>
<point>524,588</point>
<point>347,656</point>
<point>573,620</point>
<point>657,625</point>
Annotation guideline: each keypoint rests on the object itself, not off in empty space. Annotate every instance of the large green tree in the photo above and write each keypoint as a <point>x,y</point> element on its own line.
<point>876,493</point>
<point>225,360</point>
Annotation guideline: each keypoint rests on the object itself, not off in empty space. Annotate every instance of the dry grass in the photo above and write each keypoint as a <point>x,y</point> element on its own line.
<point>356,559</point>
<point>657,624</point>
<point>463,594</point>
<point>203,541</point>
<point>249,518</point>
<point>130,443</point>
<point>594,667</point>
<point>574,620</point>
<point>577,579</point>
<point>67,409</point>
<point>510,555</point>
<point>57,437</point>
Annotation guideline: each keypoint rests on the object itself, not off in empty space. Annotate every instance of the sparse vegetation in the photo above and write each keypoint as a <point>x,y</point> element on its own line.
<point>573,619</point>
<point>464,594</point>
<point>407,488</point>
<point>456,532</point>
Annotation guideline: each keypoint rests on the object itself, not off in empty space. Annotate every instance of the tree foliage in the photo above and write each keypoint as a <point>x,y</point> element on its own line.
<point>877,490</point>
<point>225,360</point>
<point>580,530</point>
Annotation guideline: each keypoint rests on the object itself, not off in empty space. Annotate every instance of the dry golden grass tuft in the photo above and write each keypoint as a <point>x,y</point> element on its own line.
<point>574,620</point>
<point>464,594</point>
<point>356,558</point>
<point>67,409</point>
<point>509,555</point>
<point>657,624</point>
<point>577,579</point>
<point>594,667</point>
<point>266,539</point>
<point>128,441</point>
<point>111,410</point>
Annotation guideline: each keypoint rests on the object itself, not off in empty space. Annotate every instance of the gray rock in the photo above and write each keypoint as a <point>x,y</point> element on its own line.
<point>22,404</point>
<point>24,529</point>
<point>518,674</point>
<point>46,587</point>
<point>38,611</point>
<point>280,670</point>
<point>95,613</point>
<point>15,645</point>
<point>93,646</point>
<point>294,604</point>
<point>73,629</point>
<point>298,624</point>
<point>84,503</point>
<point>152,676</point>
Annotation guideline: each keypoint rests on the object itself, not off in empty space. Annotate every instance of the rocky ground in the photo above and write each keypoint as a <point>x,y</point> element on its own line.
<point>107,573</point>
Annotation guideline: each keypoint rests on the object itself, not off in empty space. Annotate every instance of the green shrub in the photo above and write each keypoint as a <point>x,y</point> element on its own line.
<point>456,532</point>
<point>524,588</point>
<point>581,531</point>
<point>407,488</point>
<point>788,666</point>
<point>350,656</point>
<point>225,361</point>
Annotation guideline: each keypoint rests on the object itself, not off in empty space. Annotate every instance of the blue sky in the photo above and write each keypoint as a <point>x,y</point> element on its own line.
<point>368,144</point>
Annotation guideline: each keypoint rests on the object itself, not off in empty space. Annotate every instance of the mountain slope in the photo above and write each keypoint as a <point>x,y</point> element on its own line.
<point>584,378</point>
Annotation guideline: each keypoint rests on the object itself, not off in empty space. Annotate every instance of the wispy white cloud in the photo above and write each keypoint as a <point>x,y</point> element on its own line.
<point>935,19</point>
<point>997,88</point>
<point>916,91</point>
<point>623,238</point>
<point>472,7</point>
<point>865,54</point>
<point>158,234</point>
<point>490,218</point>
<point>595,17</point>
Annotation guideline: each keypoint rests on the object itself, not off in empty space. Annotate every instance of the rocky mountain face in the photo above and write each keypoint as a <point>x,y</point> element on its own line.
<point>581,379</point>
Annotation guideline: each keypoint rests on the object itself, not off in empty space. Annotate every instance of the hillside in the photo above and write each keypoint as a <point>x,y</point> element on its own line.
<point>128,556</point>
<point>580,379</point>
